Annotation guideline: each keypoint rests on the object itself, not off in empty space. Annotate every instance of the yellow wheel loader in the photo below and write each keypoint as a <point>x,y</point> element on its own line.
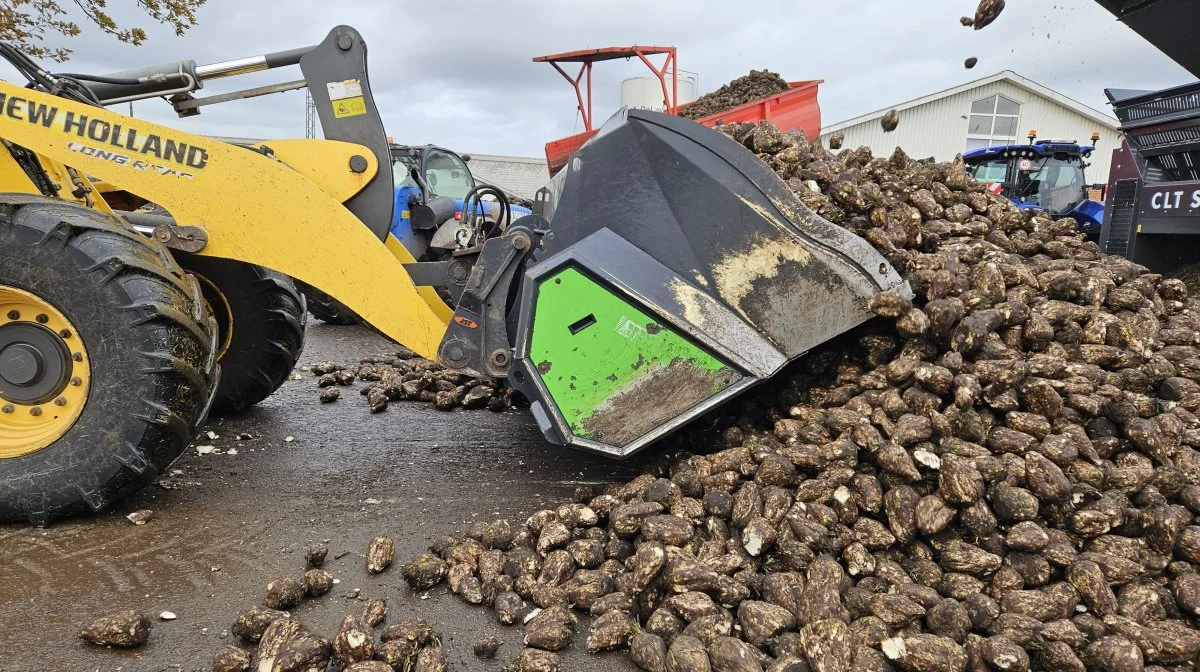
<point>667,270</point>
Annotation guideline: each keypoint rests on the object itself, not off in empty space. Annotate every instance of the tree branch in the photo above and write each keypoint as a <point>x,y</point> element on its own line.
<point>37,25</point>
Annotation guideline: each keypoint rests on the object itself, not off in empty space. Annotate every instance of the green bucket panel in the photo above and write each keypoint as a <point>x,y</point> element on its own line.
<point>612,371</point>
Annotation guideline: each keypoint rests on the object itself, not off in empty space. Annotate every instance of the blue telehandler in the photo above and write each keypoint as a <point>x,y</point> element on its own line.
<point>432,185</point>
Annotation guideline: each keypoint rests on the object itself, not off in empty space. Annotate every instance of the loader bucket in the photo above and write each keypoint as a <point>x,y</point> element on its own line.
<point>678,271</point>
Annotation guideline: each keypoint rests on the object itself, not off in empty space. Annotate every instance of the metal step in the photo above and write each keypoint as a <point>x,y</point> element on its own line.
<point>1120,230</point>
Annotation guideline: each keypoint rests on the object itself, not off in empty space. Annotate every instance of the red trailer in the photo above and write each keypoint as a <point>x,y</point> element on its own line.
<point>795,109</point>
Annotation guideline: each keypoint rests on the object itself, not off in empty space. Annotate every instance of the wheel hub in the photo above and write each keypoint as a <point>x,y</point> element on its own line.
<point>44,373</point>
<point>35,363</point>
<point>21,364</point>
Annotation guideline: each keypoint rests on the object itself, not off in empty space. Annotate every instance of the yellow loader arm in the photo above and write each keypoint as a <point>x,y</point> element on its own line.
<point>254,208</point>
<point>196,312</point>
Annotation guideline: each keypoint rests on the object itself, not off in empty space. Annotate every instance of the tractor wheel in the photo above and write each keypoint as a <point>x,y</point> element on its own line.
<point>326,308</point>
<point>260,324</point>
<point>1190,275</point>
<point>107,362</point>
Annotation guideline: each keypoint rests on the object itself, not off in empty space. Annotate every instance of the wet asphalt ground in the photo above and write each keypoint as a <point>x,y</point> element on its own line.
<point>226,522</point>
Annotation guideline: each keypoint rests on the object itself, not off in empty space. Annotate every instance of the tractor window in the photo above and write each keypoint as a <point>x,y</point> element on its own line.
<point>990,171</point>
<point>402,165</point>
<point>1057,184</point>
<point>447,174</point>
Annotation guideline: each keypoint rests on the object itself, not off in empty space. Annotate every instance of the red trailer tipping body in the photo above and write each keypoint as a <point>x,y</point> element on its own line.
<point>793,110</point>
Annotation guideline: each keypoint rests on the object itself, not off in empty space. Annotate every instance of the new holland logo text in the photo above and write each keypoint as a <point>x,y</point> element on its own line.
<point>138,145</point>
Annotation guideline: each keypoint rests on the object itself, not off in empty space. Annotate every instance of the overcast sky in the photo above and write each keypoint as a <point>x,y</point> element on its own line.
<point>458,72</point>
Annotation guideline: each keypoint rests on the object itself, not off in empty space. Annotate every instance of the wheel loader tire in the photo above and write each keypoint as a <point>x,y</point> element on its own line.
<point>260,323</point>
<point>107,362</point>
<point>326,308</point>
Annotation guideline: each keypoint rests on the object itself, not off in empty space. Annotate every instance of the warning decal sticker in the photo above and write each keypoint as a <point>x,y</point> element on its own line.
<point>347,98</point>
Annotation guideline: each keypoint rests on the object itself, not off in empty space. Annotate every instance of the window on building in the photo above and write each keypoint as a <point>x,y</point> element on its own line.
<point>993,121</point>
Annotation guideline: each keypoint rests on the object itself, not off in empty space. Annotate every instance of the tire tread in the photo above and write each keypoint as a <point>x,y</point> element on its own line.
<point>183,376</point>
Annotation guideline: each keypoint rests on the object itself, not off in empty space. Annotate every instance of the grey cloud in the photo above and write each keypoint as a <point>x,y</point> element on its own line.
<point>459,72</point>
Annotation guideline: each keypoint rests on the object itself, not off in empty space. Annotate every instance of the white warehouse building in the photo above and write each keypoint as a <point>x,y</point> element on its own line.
<point>996,110</point>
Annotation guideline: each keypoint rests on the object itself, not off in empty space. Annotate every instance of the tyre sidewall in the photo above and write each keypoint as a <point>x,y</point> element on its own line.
<point>269,321</point>
<point>326,308</point>
<point>132,424</point>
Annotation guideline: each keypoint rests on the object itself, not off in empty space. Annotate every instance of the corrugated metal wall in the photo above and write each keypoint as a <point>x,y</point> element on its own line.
<point>939,128</point>
<point>516,175</point>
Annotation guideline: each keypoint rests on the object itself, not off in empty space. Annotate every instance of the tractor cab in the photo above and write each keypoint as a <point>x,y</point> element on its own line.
<point>432,183</point>
<point>444,172</point>
<point>1044,175</point>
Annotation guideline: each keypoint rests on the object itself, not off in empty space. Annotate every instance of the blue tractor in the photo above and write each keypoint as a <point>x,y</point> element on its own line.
<point>1045,175</point>
<point>432,185</point>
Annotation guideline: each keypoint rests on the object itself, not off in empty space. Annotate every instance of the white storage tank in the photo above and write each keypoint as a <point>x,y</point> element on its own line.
<point>645,93</point>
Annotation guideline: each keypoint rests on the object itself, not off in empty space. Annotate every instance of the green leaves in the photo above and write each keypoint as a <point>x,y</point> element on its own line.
<point>37,25</point>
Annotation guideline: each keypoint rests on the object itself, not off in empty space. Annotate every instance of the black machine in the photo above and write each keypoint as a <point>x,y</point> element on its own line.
<point>1154,186</point>
<point>1152,214</point>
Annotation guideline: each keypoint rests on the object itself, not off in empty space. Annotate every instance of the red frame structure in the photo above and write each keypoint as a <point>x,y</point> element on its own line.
<point>558,151</point>
<point>795,109</point>
<point>587,57</point>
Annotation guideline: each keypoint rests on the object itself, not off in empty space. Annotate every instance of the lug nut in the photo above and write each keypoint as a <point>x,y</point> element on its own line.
<point>76,381</point>
<point>35,411</point>
<point>65,333</point>
<point>42,318</point>
<point>78,356</point>
<point>61,401</point>
<point>14,314</point>
<point>8,408</point>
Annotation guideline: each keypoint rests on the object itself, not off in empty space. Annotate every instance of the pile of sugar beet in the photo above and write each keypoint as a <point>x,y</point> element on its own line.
<point>756,85</point>
<point>1000,474</point>
<point>406,376</point>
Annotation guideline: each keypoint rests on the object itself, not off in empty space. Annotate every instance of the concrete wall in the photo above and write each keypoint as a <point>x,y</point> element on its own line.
<point>939,128</point>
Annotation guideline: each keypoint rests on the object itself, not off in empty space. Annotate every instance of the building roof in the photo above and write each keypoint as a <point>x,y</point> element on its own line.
<point>516,175</point>
<point>1005,75</point>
